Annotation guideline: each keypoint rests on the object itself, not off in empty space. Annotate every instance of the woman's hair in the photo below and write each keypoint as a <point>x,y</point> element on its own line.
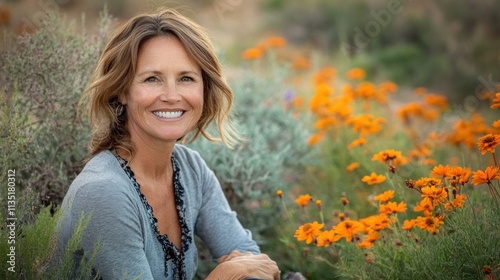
<point>116,69</point>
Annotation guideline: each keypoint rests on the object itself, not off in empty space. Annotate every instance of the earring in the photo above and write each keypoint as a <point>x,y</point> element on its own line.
<point>119,109</point>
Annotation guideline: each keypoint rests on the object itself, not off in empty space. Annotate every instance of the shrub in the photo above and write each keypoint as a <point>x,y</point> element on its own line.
<point>44,75</point>
<point>252,172</point>
<point>35,246</point>
<point>43,141</point>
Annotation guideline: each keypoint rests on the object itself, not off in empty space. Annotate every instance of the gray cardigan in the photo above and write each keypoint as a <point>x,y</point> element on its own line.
<point>129,245</point>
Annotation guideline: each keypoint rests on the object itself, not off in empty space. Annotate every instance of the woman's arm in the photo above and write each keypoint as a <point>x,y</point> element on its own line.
<point>217,225</point>
<point>238,266</point>
<point>237,254</point>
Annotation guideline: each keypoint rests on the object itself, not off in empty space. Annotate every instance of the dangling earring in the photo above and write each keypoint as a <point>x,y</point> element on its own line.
<point>119,109</point>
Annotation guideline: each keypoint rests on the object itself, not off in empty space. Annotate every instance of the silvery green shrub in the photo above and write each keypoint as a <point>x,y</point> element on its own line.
<point>275,145</point>
<point>43,75</point>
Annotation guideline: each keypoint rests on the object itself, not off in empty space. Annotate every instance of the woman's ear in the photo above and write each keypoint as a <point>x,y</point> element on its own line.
<point>122,99</point>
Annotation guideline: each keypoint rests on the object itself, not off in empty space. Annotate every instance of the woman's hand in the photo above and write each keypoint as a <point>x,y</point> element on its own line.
<point>238,266</point>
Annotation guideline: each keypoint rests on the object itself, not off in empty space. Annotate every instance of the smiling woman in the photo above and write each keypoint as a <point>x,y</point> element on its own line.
<point>157,81</point>
<point>165,99</point>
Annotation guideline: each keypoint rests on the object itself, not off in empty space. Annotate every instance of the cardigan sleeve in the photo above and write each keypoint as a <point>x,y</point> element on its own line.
<point>114,230</point>
<point>217,225</point>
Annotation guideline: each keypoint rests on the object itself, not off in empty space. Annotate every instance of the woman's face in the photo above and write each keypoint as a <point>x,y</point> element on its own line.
<point>165,100</point>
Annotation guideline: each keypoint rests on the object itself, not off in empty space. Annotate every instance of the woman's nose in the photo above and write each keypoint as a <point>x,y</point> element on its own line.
<point>169,93</point>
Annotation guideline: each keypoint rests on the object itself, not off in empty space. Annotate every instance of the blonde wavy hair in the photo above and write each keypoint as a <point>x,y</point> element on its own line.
<point>116,69</point>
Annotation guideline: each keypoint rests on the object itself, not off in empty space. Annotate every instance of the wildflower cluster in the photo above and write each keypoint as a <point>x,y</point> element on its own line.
<point>440,194</point>
<point>334,107</point>
<point>373,144</point>
<point>261,48</point>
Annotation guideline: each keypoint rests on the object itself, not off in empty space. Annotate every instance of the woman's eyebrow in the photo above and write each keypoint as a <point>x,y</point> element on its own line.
<point>189,72</point>
<point>154,72</point>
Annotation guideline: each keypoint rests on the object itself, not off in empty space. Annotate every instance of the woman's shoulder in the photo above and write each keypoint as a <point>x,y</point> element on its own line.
<point>186,155</point>
<point>103,166</point>
<point>101,175</point>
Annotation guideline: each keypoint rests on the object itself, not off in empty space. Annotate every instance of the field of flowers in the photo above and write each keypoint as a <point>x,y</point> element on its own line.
<point>403,186</point>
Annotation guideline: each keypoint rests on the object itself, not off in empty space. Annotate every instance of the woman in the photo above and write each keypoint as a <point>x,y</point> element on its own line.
<point>158,81</point>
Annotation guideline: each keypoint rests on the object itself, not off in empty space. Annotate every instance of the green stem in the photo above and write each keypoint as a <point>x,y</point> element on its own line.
<point>493,193</point>
<point>286,211</point>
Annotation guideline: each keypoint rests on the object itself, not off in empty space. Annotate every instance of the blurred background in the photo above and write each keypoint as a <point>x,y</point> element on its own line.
<point>450,47</point>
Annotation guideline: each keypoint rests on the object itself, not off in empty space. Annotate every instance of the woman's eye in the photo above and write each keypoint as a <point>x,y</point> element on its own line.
<point>151,80</point>
<point>187,79</point>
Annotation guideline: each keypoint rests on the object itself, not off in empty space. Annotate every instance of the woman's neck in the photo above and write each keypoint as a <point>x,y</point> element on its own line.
<point>150,161</point>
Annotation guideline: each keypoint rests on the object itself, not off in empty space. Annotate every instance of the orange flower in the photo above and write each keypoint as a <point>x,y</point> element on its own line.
<point>275,41</point>
<point>488,143</point>
<point>496,124</point>
<point>419,151</point>
<point>308,232</point>
<point>387,155</point>
<point>365,124</point>
<point>326,238</point>
<point>300,62</point>
<point>413,109</point>
<point>303,200</point>
<point>351,167</point>
<point>319,204</point>
<point>460,175</point>
<point>392,208</point>
<point>376,222</point>
<point>408,225</point>
<point>485,177</point>
<point>366,90</point>
<point>253,53</point>
<point>315,139</point>
<point>441,171</point>
<point>436,100</point>
<point>279,193</point>
<point>324,123</point>
<point>348,229</point>
<point>369,240</point>
<point>356,74</point>
<point>420,91</point>
<point>384,197</point>
<point>436,195</point>
<point>429,161</point>
<point>344,200</point>
<point>341,216</point>
<point>496,101</point>
<point>458,202</point>
<point>358,142</point>
<point>373,179</point>
<point>324,75</point>
<point>323,89</point>
<point>427,182</point>
<point>387,87</point>
<point>318,102</point>
<point>426,206</point>
<point>429,223</point>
